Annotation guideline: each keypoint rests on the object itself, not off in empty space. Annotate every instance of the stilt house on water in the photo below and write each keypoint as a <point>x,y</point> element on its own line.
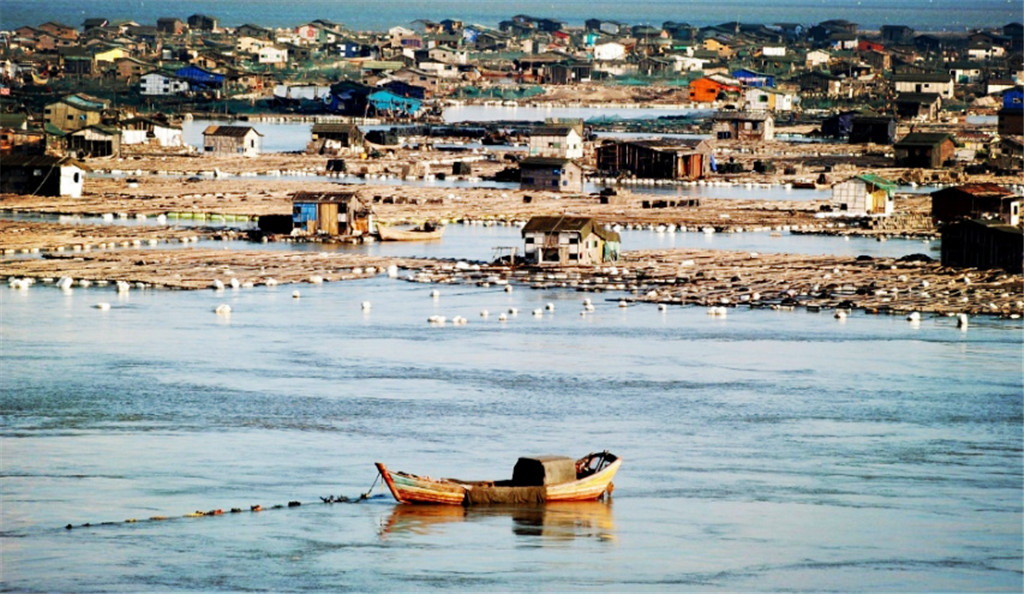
<point>656,159</point>
<point>568,241</point>
<point>332,213</point>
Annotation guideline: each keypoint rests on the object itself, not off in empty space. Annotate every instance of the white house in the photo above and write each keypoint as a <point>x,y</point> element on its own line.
<point>985,51</point>
<point>250,45</point>
<point>769,99</point>
<point>447,55</point>
<point>273,56</point>
<point>610,50</point>
<point>773,50</point>
<point>941,83</point>
<point>816,58</point>
<point>160,83</point>
<point>144,130</point>
<point>439,69</point>
<point>556,141</point>
<point>688,63</point>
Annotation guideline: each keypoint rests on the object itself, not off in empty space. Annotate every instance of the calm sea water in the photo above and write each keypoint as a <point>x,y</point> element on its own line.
<point>932,15</point>
<point>763,451</point>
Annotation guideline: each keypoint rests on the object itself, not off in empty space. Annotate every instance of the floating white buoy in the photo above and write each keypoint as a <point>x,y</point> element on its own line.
<point>662,307</point>
<point>502,317</point>
<point>459,321</point>
<point>550,307</point>
<point>123,286</point>
<point>435,294</point>
<point>587,302</point>
<point>218,285</point>
<point>392,271</point>
<point>65,283</point>
<point>961,321</point>
<point>271,282</point>
<point>513,311</point>
<point>223,309</point>
<point>437,320</point>
<point>296,294</point>
<point>484,313</point>
<point>914,317</point>
<point>316,279</point>
<point>102,306</point>
<point>235,283</point>
<point>840,314</point>
<point>366,305</point>
<point>623,303</point>
<point>508,288</point>
<point>538,312</point>
<point>718,311</point>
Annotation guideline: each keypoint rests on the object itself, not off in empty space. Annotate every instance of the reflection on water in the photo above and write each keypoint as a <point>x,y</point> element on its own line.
<point>554,521</point>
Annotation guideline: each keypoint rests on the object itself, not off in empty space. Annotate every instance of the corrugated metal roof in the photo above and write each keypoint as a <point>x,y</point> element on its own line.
<point>233,131</point>
<point>41,161</point>
<point>878,181</point>
<point>310,197</point>
<point>557,224</point>
<point>923,139</point>
<point>978,190</point>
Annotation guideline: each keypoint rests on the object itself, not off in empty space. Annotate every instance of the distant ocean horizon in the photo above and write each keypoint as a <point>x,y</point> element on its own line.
<point>922,15</point>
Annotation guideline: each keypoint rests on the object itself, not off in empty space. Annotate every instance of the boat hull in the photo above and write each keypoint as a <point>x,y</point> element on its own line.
<point>390,234</point>
<point>410,488</point>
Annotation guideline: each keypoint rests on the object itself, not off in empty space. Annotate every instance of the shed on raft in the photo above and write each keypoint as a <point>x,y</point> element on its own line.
<point>331,213</point>
<point>562,240</point>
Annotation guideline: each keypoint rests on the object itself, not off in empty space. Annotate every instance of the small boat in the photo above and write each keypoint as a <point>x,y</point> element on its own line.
<point>425,232</point>
<point>536,480</point>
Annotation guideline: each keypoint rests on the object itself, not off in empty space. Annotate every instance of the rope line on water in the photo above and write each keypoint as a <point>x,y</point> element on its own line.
<point>330,499</point>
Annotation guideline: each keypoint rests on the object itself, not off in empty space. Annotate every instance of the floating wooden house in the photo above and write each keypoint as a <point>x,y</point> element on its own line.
<point>567,241</point>
<point>232,140</point>
<point>866,194</point>
<point>42,175</point>
<point>551,174</point>
<point>331,213</point>
<point>983,244</point>
<point>976,201</point>
<point>928,150</point>
<point>683,159</point>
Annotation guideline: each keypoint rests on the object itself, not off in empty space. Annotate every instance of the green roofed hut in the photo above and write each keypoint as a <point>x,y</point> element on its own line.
<point>866,194</point>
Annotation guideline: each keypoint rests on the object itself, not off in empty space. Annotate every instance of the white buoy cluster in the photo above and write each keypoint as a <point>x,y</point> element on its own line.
<point>101,245</point>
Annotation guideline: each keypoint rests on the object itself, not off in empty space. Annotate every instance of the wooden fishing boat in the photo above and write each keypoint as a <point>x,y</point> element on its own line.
<point>426,232</point>
<point>543,479</point>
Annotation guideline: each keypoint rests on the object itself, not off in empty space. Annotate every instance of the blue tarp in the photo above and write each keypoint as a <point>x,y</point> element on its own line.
<point>389,102</point>
<point>201,79</point>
